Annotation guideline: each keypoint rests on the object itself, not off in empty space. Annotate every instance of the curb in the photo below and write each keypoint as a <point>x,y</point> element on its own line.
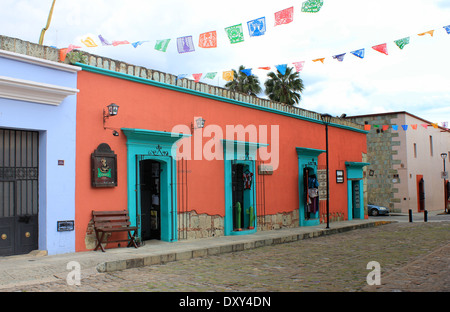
<point>250,243</point>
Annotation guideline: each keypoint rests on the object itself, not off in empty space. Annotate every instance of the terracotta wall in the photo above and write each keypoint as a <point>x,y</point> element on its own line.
<point>148,107</point>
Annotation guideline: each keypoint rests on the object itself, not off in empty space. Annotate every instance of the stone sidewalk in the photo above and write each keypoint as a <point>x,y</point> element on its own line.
<point>30,269</point>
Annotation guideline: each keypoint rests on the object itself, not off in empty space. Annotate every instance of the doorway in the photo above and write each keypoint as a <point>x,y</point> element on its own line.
<point>356,199</point>
<point>420,193</point>
<point>242,197</point>
<point>19,191</point>
<point>150,188</point>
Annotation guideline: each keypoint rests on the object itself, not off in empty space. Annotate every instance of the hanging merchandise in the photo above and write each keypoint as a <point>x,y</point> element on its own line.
<point>247,176</point>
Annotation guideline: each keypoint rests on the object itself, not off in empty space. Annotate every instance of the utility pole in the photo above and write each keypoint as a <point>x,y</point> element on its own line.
<point>49,19</point>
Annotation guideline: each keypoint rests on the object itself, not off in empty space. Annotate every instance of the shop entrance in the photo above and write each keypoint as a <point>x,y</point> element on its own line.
<point>19,192</point>
<point>356,199</point>
<point>242,196</point>
<point>150,188</point>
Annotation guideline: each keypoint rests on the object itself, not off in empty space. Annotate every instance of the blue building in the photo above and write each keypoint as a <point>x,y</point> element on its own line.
<point>37,154</point>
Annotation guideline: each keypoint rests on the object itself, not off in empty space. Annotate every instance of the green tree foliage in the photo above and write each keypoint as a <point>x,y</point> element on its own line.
<point>284,88</point>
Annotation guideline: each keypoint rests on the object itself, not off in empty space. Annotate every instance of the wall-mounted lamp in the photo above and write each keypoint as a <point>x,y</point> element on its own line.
<point>199,123</point>
<point>113,109</point>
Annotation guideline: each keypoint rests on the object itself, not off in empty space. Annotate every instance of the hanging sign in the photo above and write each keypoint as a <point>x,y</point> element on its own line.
<point>103,167</point>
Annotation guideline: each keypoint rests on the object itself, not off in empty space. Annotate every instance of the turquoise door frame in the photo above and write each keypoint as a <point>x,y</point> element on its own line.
<point>238,152</point>
<point>355,175</point>
<point>307,157</point>
<point>159,146</point>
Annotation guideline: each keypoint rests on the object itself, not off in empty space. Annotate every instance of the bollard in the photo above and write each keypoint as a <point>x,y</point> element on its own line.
<point>410,215</point>
<point>425,216</point>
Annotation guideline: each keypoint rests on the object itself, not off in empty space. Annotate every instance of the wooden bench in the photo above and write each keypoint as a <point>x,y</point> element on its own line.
<point>111,222</point>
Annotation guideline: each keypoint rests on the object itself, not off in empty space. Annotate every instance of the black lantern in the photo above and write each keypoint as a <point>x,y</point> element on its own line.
<point>113,109</point>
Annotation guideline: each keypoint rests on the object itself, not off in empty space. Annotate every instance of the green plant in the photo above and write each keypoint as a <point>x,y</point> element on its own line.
<point>77,57</point>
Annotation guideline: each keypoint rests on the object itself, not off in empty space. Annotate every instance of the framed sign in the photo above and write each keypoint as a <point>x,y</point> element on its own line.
<point>103,167</point>
<point>339,176</point>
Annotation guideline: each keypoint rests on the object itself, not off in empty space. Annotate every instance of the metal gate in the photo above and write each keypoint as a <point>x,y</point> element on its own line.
<point>19,194</point>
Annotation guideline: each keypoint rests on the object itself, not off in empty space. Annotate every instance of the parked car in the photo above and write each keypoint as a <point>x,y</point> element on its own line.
<point>375,210</point>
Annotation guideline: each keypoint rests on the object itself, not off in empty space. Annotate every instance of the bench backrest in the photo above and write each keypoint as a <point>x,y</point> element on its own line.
<point>110,219</point>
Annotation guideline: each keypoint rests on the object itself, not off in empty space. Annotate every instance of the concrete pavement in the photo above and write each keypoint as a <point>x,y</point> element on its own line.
<point>35,269</point>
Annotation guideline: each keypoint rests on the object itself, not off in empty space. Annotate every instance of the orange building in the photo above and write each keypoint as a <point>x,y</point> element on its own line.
<point>190,160</point>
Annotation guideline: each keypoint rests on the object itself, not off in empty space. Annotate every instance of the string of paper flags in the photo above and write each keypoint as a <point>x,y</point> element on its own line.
<point>207,40</point>
<point>405,127</point>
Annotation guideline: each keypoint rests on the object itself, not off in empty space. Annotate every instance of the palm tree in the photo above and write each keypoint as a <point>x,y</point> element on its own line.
<point>248,84</point>
<point>284,88</point>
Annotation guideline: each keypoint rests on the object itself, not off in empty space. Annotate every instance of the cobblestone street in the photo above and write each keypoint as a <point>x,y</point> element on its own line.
<point>412,257</point>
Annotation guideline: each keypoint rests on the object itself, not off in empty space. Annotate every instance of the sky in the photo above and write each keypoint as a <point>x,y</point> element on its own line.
<point>415,79</point>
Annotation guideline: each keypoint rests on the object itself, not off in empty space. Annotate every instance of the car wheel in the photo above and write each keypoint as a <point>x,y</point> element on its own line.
<point>374,212</point>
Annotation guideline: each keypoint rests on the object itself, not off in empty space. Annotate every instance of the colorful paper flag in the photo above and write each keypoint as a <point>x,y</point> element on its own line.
<point>299,65</point>
<point>138,43</point>
<point>72,47</point>
<point>367,127</point>
<point>247,71</point>
<point>281,68</point>
<point>284,16</point>
<point>228,75</point>
<point>425,126</point>
<point>382,48</point>
<point>104,41</point>
<point>265,68</point>
<point>402,42</point>
<point>444,124</point>
<point>430,32</point>
<point>435,125</point>
<point>197,77</point>
<point>211,75</point>
<point>414,127</point>
<point>89,42</point>
<point>181,76</point>
<point>319,59</point>
<point>447,29</point>
<point>116,43</point>
<point>385,127</point>
<point>359,53</point>
<point>405,127</point>
<point>339,57</point>
<point>235,33</point>
<point>208,40</point>
<point>161,45</point>
<point>257,27</point>
<point>394,127</point>
<point>312,6</point>
<point>185,44</point>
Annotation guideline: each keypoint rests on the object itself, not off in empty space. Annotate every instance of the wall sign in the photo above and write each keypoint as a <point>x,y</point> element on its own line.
<point>339,176</point>
<point>103,167</point>
<point>64,226</point>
